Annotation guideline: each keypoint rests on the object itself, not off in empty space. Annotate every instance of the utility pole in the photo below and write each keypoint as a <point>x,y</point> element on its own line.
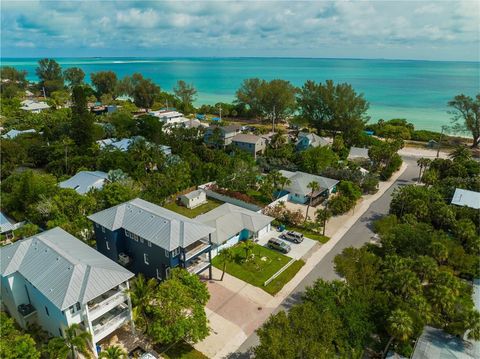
<point>440,140</point>
<point>220,107</point>
<point>44,95</point>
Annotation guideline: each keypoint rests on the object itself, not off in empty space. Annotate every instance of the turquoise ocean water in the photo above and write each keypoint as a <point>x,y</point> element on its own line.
<point>415,90</point>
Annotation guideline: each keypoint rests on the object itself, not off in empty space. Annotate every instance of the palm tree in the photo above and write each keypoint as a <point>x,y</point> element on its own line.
<point>313,186</point>
<point>113,352</point>
<point>323,215</point>
<point>226,255</point>
<point>399,326</point>
<point>423,163</point>
<point>141,293</point>
<point>460,153</point>
<point>75,340</point>
<point>277,140</point>
<point>248,246</point>
<point>283,182</point>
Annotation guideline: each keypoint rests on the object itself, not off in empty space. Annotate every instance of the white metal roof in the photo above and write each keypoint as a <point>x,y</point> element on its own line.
<point>84,181</point>
<point>63,268</point>
<point>14,133</point>
<point>162,227</point>
<point>229,220</point>
<point>314,139</point>
<point>299,182</point>
<point>30,105</point>
<point>194,194</point>
<point>358,152</point>
<point>463,197</point>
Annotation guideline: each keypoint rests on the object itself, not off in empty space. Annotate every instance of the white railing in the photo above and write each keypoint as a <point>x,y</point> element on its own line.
<point>109,303</point>
<point>199,266</point>
<point>100,331</point>
<point>267,282</point>
<point>198,249</point>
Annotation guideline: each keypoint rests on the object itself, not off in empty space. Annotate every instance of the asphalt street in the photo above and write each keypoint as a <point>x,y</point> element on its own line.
<point>359,234</point>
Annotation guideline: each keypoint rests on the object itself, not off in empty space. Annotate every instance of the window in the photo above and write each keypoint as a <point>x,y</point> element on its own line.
<point>159,276</point>
<point>145,258</point>
<point>176,252</point>
<point>108,246</point>
<point>141,239</point>
<point>96,225</point>
<point>72,309</point>
<point>135,237</point>
<point>167,253</point>
<point>128,234</point>
<point>60,331</point>
<point>46,310</point>
<point>78,306</point>
<point>167,272</point>
<point>103,229</point>
<point>149,243</point>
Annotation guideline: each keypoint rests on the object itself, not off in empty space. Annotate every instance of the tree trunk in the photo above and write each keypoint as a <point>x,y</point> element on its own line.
<point>385,351</point>
<point>324,225</point>
<point>476,141</point>
<point>224,268</point>
<point>420,175</point>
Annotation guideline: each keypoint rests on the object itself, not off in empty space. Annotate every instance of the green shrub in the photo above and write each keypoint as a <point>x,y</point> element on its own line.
<point>393,166</point>
<point>340,204</point>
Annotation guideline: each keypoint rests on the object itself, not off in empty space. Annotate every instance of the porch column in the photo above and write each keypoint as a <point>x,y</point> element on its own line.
<point>129,301</point>
<point>210,256</point>
<point>90,328</point>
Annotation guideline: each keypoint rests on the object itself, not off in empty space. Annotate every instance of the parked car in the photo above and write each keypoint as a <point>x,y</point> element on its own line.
<point>293,236</point>
<point>279,245</point>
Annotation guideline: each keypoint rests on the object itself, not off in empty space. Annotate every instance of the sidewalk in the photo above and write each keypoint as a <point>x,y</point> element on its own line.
<point>237,309</point>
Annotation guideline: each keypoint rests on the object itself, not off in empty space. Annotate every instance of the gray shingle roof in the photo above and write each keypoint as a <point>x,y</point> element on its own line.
<point>358,152</point>
<point>62,267</point>
<point>162,227</point>
<point>463,197</point>
<point>84,181</point>
<point>300,180</point>
<point>229,219</point>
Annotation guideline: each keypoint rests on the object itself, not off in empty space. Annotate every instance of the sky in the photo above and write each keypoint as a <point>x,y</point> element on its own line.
<point>427,30</point>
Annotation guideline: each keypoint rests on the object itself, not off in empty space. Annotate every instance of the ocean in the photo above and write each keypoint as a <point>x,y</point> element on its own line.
<point>415,90</point>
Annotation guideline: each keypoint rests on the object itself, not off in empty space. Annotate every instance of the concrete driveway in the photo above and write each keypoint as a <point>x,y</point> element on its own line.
<point>299,250</point>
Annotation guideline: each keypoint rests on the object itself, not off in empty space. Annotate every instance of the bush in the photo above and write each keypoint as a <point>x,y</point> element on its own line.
<point>340,204</point>
<point>393,166</point>
<point>384,224</point>
<point>349,190</point>
<point>425,136</point>
<point>370,184</point>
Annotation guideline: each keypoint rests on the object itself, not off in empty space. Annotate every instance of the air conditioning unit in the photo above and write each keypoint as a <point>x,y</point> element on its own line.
<point>123,259</point>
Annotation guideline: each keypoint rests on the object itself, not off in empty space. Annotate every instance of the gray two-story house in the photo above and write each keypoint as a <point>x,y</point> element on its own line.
<point>221,136</point>
<point>149,239</point>
<point>255,145</point>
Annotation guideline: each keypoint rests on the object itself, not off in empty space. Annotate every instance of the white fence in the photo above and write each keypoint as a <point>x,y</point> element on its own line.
<point>267,282</point>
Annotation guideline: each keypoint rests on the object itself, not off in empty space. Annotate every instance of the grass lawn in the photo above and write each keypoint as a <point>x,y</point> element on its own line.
<point>182,350</point>
<point>258,196</point>
<point>192,213</point>
<point>256,271</point>
<point>309,234</point>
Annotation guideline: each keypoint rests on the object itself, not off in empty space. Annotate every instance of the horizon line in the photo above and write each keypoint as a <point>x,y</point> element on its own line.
<point>234,57</point>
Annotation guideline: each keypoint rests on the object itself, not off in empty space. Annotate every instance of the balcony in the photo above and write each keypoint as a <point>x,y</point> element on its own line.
<point>107,301</point>
<point>26,310</point>
<point>198,264</point>
<point>195,249</point>
<point>110,321</point>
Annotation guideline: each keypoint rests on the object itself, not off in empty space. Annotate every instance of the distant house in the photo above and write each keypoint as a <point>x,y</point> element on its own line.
<point>124,144</point>
<point>225,135</point>
<point>169,117</point>
<point>55,280</point>
<point>298,190</point>
<point>253,144</point>
<point>150,239</point>
<point>34,106</point>
<point>14,133</point>
<point>194,199</point>
<point>7,226</point>
<point>307,140</point>
<point>432,144</point>
<point>234,224</point>
<point>194,123</point>
<point>84,181</point>
<point>358,153</point>
<point>463,197</point>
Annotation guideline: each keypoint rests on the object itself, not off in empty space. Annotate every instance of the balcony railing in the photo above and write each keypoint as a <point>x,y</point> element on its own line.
<point>196,248</point>
<point>110,323</point>
<point>198,265</point>
<point>106,302</point>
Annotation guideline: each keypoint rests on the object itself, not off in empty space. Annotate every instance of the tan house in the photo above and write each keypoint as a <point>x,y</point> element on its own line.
<point>250,143</point>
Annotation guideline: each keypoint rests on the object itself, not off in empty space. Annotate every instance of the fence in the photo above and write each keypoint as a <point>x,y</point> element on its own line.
<point>267,282</point>
<point>227,199</point>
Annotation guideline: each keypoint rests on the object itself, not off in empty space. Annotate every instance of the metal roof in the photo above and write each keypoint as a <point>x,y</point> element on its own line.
<point>463,197</point>
<point>314,139</point>
<point>194,194</point>
<point>358,152</point>
<point>14,133</point>
<point>7,225</point>
<point>245,138</point>
<point>229,220</point>
<point>300,180</point>
<point>63,268</point>
<point>84,181</point>
<point>30,105</point>
<point>164,228</point>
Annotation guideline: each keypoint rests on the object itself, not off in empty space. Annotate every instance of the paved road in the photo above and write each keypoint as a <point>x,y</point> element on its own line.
<point>356,236</point>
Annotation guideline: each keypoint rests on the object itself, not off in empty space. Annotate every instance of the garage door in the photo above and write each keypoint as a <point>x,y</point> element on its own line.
<point>264,231</point>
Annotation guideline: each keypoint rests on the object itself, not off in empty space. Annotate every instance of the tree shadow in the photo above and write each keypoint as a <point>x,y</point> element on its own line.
<point>291,300</point>
<point>240,355</point>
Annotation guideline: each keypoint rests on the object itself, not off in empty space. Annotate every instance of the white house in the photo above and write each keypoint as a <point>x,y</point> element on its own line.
<point>358,153</point>
<point>14,133</point>
<point>170,117</point>
<point>233,224</point>
<point>299,191</point>
<point>463,197</point>
<point>84,181</point>
<point>7,226</point>
<point>124,144</point>
<point>55,280</point>
<point>34,106</point>
<point>194,199</point>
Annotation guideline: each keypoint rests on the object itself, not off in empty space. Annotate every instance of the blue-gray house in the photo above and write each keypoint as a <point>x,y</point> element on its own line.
<point>308,140</point>
<point>150,239</point>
